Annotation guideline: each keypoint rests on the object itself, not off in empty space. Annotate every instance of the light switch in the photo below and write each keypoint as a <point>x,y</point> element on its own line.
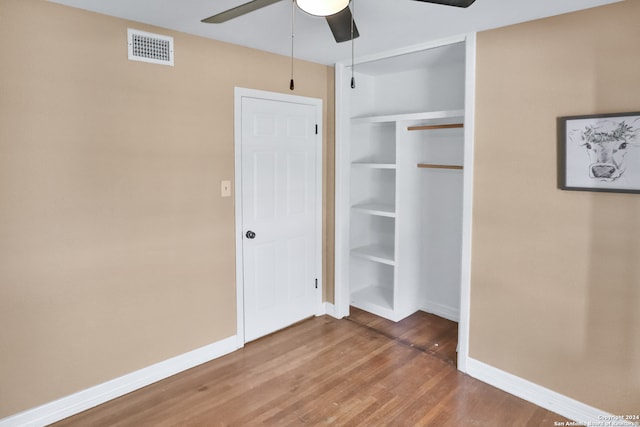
<point>225,188</point>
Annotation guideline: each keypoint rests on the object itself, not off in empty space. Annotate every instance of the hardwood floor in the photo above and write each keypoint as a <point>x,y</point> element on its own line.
<point>423,331</point>
<point>360,371</point>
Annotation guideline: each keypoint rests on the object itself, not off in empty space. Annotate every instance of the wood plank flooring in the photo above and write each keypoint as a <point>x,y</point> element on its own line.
<point>424,331</point>
<point>360,371</point>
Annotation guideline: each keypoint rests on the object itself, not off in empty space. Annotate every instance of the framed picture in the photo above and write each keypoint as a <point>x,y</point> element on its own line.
<point>599,152</point>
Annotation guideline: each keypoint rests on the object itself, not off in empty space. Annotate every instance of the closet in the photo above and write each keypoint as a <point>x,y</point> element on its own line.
<point>399,181</point>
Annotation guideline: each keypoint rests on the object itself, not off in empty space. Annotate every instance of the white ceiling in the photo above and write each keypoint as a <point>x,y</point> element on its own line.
<point>384,25</point>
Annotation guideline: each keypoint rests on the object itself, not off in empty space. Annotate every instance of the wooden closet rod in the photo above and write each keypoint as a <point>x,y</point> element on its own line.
<point>430,127</point>
<point>432,166</point>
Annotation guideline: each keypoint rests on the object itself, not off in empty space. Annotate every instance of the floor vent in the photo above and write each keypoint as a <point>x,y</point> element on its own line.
<point>148,47</point>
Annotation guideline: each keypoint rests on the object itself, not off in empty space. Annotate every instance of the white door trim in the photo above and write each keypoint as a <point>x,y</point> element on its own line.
<point>342,207</point>
<point>240,93</point>
<point>467,202</point>
<point>342,299</point>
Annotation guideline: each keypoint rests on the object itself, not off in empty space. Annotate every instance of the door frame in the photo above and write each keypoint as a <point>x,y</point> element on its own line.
<point>342,206</point>
<point>239,94</point>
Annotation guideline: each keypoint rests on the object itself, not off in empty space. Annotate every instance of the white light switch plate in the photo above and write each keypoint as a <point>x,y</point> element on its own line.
<point>225,188</point>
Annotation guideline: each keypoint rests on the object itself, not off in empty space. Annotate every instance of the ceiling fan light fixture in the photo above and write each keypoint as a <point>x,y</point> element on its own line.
<point>322,7</point>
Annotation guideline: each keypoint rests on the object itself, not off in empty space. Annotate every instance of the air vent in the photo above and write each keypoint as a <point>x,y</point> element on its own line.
<point>148,47</point>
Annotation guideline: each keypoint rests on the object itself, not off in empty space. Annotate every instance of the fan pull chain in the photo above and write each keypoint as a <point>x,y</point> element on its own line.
<point>353,79</point>
<point>293,22</point>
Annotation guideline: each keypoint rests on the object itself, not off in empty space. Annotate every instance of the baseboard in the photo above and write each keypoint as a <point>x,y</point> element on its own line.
<point>330,310</point>
<point>94,396</point>
<point>441,310</point>
<point>562,405</point>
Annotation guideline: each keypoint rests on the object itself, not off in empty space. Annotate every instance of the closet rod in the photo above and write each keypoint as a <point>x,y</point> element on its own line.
<point>432,166</point>
<point>430,127</point>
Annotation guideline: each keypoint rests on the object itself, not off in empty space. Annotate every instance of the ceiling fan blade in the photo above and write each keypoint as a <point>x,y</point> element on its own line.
<point>243,9</point>
<point>457,3</point>
<point>340,25</point>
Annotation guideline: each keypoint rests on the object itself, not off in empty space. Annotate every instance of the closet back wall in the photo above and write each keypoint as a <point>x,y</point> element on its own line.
<point>116,250</point>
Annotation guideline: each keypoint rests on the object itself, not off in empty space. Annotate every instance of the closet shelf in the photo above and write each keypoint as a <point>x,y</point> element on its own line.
<point>436,117</point>
<point>371,165</point>
<point>373,298</point>
<point>434,166</point>
<point>377,253</point>
<point>379,209</point>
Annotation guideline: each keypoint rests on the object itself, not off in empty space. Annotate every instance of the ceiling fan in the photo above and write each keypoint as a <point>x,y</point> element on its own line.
<point>336,12</point>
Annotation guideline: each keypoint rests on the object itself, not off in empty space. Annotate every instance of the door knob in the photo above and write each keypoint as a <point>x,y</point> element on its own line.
<point>250,234</point>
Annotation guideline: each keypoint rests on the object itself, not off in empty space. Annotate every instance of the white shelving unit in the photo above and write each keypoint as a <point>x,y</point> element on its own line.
<point>404,127</point>
<point>370,165</point>
<point>380,209</point>
<point>431,117</point>
<point>376,253</point>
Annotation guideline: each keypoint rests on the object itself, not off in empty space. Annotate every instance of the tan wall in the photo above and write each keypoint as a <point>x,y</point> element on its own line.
<point>116,250</point>
<point>555,274</point>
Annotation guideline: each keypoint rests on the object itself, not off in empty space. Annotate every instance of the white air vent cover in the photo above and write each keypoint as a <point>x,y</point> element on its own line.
<point>148,47</point>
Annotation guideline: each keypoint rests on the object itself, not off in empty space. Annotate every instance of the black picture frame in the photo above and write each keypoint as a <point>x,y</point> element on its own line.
<point>599,152</point>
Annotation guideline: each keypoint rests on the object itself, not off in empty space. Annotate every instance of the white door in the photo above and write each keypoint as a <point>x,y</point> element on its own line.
<point>279,214</point>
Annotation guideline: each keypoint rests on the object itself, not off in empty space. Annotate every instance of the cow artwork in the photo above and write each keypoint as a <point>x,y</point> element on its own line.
<point>607,143</point>
<point>602,152</point>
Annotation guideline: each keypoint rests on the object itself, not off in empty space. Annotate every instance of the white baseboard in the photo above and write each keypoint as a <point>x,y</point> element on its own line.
<point>441,310</point>
<point>541,396</point>
<point>94,396</point>
<point>330,310</point>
